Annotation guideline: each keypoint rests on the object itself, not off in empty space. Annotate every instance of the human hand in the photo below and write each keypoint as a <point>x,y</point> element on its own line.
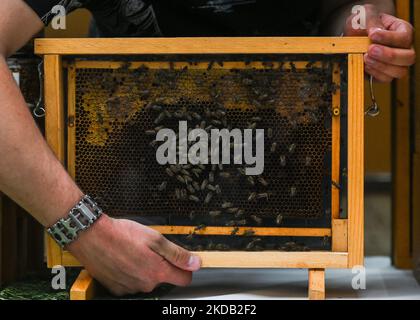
<point>391,52</point>
<point>127,257</point>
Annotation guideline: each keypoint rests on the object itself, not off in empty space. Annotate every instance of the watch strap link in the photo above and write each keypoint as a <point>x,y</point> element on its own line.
<point>80,217</point>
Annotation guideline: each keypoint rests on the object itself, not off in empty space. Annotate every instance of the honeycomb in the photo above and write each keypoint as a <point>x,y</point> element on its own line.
<point>290,97</point>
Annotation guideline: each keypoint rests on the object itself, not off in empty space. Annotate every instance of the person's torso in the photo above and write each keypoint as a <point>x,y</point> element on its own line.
<point>170,18</point>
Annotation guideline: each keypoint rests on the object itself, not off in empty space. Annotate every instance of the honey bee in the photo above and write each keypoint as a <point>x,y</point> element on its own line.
<point>150,132</point>
<point>270,133</point>
<point>222,247</point>
<point>292,148</point>
<point>239,213</point>
<point>335,184</point>
<point>174,168</point>
<point>234,231</point>
<point>169,172</point>
<point>190,188</point>
<point>211,187</point>
<point>196,116</point>
<point>251,180</point>
<point>283,160</point>
<point>248,232</point>
<point>252,125</point>
<point>180,178</point>
<point>258,220</point>
<point>252,244</point>
<point>196,172</point>
<point>196,186</point>
<point>292,191</point>
<point>200,227</point>
<point>241,222</point>
<point>187,179</point>
<point>230,223</point>
<point>162,186</point>
<point>185,172</point>
<point>279,219</point>
<point>208,198</point>
<point>194,198</point>
<point>210,65</point>
<point>263,181</point>
<point>204,184</point>
<point>232,210</point>
<point>215,213</point>
<point>273,147</point>
<point>210,246</point>
<point>226,205</point>
<point>241,171</point>
<point>252,196</point>
<point>262,195</point>
<point>225,175</point>
<point>325,241</point>
<point>160,118</point>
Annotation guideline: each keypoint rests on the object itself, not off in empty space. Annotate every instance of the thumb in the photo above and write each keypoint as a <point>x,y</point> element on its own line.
<point>176,255</point>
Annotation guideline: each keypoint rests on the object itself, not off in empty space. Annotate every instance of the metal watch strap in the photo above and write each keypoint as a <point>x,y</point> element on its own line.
<point>81,217</point>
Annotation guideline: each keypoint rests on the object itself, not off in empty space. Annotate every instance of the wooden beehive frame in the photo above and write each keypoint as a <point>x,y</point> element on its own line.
<point>347,234</point>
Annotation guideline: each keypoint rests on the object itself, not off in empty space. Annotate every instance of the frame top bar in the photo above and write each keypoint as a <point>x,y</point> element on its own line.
<point>211,45</point>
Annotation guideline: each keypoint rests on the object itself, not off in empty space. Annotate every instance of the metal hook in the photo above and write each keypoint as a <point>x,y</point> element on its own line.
<point>39,110</point>
<point>373,110</point>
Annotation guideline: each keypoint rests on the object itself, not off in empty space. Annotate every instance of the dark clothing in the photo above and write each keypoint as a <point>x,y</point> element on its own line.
<point>170,18</point>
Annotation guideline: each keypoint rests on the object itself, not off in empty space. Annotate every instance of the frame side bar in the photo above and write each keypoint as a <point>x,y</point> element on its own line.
<point>54,130</point>
<point>355,160</point>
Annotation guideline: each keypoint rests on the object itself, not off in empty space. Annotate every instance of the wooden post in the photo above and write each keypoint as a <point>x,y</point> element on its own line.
<point>83,288</point>
<point>401,166</point>
<point>316,287</point>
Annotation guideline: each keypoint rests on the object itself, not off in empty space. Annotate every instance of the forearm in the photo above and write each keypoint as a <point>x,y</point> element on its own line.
<point>29,171</point>
<point>337,12</point>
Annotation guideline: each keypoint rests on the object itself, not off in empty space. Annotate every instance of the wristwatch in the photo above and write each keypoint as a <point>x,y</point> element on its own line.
<point>80,217</point>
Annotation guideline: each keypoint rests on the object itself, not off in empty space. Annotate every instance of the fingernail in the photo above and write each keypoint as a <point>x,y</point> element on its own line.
<point>376,37</point>
<point>369,61</point>
<point>375,29</point>
<point>194,262</point>
<point>376,52</point>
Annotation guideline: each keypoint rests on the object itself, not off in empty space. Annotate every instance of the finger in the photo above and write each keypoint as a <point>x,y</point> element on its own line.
<point>393,23</point>
<point>395,56</point>
<point>176,255</point>
<point>388,69</point>
<point>378,75</point>
<point>401,37</point>
<point>174,275</point>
